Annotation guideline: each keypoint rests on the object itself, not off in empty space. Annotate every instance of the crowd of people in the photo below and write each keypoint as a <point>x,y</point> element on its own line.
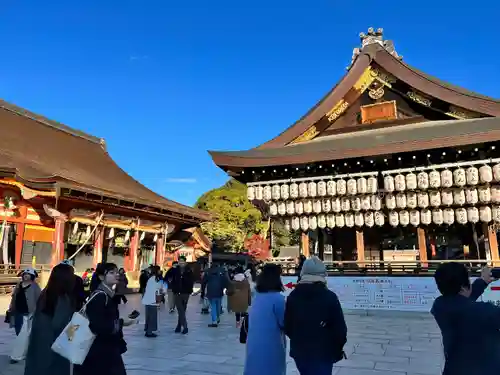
<point>311,316</point>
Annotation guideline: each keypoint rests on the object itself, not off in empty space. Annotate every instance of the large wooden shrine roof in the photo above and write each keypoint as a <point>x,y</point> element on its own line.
<point>309,139</point>
<point>43,153</point>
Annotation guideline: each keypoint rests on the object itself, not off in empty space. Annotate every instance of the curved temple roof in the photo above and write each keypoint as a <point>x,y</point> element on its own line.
<point>39,151</point>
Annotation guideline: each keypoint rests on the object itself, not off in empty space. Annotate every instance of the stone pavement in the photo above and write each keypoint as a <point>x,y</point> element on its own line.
<point>400,344</point>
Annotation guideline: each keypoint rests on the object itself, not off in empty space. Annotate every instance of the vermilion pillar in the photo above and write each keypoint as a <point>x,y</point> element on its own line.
<point>98,241</point>
<point>132,256</point>
<point>58,242</point>
<point>20,236</point>
<point>160,251</point>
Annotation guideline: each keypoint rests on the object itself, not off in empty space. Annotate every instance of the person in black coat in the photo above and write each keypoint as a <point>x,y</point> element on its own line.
<point>314,322</point>
<point>105,355</point>
<point>470,329</point>
<point>182,286</point>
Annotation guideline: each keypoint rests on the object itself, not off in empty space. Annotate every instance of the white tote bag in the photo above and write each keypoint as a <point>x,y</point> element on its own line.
<point>76,339</point>
<point>20,347</point>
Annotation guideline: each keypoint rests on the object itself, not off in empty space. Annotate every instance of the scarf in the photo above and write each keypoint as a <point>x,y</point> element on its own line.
<point>311,279</point>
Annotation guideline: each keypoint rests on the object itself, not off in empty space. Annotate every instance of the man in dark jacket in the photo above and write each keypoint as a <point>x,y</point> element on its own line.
<point>170,294</point>
<point>470,330</point>
<point>182,287</point>
<point>215,280</point>
<point>314,322</point>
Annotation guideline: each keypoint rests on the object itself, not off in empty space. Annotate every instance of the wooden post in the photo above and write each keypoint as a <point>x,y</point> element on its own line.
<point>23,210</point>
<point>98,243</point>
<point>321,244</point>
<point>422,246</point>
<point>159,251</point>
<point>304,244</point>
<point>491,235</point>
<point>360,247</point>
<point>132,257</point>
<point>58,242</point>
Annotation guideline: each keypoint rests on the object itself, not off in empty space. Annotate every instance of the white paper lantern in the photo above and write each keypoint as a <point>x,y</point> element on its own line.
<point>496,172</point>
<point>393,218</point>
<point>322,189</point>
<point>339,220</point>
<point>322,221</point>
<point>471,195</point>
<point>317,206</point>
<point>485,214</point>
<point>359,219</point>
<point>285,191</point>
<point>303,190</point>
<point>425,216</point>
<point>379,218</point>
<point>273,209</point>
<point>259,193</point>
<point>308,206</point>
<point>375,203</point>
<point>404,218</point>
<point>459,196</point>
<point>423,180</point>
<point>330,221</point>
<point>472,214</point>
<point>267,193</point>
<point>495,212</point>
<point>326,205</point>
<point>341,187</point>
<point>446,178</point>
<point>371,185</point>
<point>294,190</point>
<point>422,200</point>
<point>290,207</point>
<point>389,183</point>
<point>276,192</point>
<point>299,207</point>
<point>356,203</point>
<point>461,216</point>
<point>352,186</point>
<point>304,223</point>
<point>312,189</point>
<point>447,197</point>
<point>365,202</point>
<point>390,201</point>
<point>495,194</point>
<point>448,216</point>
<point>331,188</point>
<point>282,208</point>
<point>434,198</point>
<point>313,222</point>
<point>459,177</point>
<point>472,176</point>
<point>411,199</point>
<point>295,223</point>
<point>401,200</point>
<point>485,174</point>
<point>484,194</point>
<point>288,225</point>
<point>437,216</point>
<point>400,182</point>
<point>369,219</point>
<point>251,193</point>
<point>362,185</point>
<point>336,205</point>
<point>434,179</point>
<point>415,218</point>
<point>411,181</point>
<point>345,204</point>
<point>349,219</point>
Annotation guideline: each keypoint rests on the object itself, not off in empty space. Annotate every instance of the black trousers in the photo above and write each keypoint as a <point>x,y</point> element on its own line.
<point>239,316</point>
<point>181,302</point>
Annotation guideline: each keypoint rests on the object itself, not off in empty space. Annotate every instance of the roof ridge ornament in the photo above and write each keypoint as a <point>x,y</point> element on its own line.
<point>374,37</point>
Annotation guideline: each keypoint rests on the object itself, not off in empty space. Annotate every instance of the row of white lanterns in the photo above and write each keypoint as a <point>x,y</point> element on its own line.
<point>437,216</point>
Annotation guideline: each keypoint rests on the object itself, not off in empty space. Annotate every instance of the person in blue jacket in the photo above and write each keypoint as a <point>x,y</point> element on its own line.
<point>470,329</point>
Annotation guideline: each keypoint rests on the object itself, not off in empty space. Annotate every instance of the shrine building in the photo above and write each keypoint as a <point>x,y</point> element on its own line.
<point>392,164</point>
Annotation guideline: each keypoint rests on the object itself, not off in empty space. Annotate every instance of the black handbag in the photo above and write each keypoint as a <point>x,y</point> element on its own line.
<point>244,330</point>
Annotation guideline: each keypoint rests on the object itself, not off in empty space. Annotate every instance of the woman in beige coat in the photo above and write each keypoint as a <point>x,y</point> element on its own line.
<point>239,295</point>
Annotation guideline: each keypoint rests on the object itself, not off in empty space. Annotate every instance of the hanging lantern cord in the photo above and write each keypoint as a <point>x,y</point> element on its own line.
<point>88,237</point>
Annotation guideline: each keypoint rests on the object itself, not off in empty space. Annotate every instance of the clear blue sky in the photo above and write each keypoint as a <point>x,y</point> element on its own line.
<point>163,81</point>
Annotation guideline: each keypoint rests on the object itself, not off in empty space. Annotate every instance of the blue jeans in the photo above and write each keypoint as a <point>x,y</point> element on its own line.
<point>18,322</point>
<point>215,307</point>
<point>313,367</point>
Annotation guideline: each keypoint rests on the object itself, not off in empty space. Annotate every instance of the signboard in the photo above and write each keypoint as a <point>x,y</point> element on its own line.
<point>378,112</point>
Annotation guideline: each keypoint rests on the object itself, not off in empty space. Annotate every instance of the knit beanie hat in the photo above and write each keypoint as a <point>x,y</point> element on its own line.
<point>313,266</point>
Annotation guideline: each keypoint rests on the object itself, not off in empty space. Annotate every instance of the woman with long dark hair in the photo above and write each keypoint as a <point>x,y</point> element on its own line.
<point>266,343</point>
<point>54,310</point>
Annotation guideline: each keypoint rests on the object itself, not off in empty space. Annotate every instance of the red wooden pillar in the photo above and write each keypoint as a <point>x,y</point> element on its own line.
<point>132,255</point>
<point>58,242</point>
<point>98,241</point>
<point>160,251</point>
<point>23,210</point>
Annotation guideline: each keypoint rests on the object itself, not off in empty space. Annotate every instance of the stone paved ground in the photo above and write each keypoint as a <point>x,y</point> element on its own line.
<point>401,344</point>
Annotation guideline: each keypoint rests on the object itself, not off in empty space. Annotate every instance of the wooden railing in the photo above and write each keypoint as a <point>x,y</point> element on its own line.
<point>386,268</point>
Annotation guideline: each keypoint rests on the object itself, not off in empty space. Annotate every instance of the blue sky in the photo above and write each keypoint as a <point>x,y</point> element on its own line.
<point>163,81</point>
